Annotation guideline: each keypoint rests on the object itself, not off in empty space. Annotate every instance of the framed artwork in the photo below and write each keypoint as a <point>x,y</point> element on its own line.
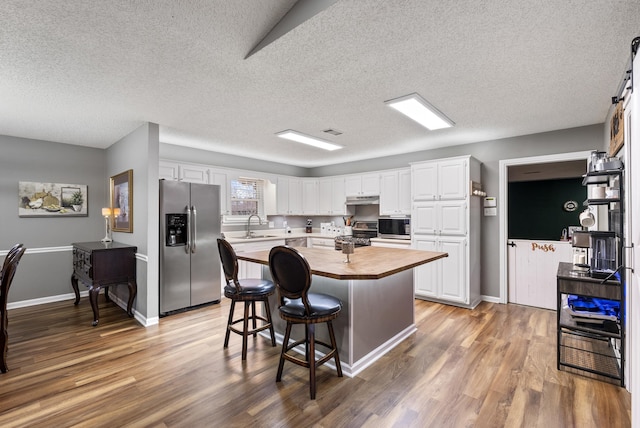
<point>617,130</point>
<point>37,199</point>
<point>122,201</point>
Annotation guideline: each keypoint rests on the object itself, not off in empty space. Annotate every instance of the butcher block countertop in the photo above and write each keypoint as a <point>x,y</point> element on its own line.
<point>366,262</point>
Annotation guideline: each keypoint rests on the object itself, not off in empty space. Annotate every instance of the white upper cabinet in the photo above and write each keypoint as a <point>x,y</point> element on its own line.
<point>221,180</point>
<point>309,196</point>
<point>362,185</point>
<point>395,192</point>
<point>331,196</point>
<point>438,180</point>
<point>289,196</point>
<point>168,170</point>
<point>194,174</point>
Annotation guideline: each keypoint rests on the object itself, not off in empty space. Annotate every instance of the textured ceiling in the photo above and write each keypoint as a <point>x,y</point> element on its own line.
<point>90,72</point>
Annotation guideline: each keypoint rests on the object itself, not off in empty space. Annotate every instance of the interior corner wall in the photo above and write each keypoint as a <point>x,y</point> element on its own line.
<point>139,151</point>
<point>46,267</point>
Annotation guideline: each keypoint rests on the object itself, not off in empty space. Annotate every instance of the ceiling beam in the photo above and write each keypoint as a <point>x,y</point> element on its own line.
<point>300,12</point>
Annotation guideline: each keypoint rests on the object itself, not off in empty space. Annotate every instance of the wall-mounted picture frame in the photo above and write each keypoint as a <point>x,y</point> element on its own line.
<point>122,201</point>
<point>36,199</point>
<point>617,130</point>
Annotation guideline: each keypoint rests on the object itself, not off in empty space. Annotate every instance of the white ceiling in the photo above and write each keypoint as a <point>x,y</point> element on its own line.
<point>89,72</point>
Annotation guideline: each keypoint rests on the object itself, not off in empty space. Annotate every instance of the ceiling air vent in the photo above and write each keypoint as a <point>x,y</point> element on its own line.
<point>332,132</point>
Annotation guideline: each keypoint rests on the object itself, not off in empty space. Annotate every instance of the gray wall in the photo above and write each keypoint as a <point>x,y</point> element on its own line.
<point>139,151</point>
<point>45,270</point>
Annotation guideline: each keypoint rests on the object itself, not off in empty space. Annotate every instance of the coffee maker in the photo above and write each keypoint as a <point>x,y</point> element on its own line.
<point>580,242</point>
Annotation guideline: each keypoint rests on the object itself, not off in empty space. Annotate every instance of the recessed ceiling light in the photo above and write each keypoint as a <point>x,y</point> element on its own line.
<point>307,139</point>
<point>418,109</point>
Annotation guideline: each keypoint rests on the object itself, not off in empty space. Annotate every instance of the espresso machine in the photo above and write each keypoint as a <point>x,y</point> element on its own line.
<point>580,243</point>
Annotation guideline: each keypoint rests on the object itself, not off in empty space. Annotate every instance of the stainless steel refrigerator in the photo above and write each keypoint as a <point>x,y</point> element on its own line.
<point>189,259</point>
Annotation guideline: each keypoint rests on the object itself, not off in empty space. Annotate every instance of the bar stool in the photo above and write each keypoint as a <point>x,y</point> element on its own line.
<point>9,267</point>
<point>249,291</point>
<point>291,273</point>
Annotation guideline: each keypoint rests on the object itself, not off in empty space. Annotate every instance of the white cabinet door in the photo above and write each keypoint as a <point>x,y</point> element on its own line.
<point>395,192</point>
<point>452,217</point>
<point>338,197</point>
<point>282,195</point>
<point>370,184</point>
<point>404,191</point>
<point>353,185</point>
<point>295,196</point>
<point>452,179</point>
<point>220,179</point>
<point>446,278</point>
<point>362,185</point>
<point>389,193</point>
<point>426,278</point>
<point>424,218</point>
<point>168,170</point>
<point>440,218</point>
<point>331,196</point>
<point>289,195</point>
<point>424,181</point>
<point>453,269</point>
<point>194,174</point>
<point>310,196</point>
<point>325,196</point>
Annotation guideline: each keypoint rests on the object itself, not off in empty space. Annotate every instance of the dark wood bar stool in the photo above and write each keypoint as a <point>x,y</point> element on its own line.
<point>291,273</point>
<point>249,291</point>
<point>9,267</point>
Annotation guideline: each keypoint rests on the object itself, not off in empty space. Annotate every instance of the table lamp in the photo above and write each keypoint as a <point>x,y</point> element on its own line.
<point>106,212</point>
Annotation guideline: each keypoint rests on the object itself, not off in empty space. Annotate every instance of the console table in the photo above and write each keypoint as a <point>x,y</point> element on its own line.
<point>101,264</point>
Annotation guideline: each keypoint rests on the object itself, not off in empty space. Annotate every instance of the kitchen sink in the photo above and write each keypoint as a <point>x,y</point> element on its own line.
<point>260,236</point>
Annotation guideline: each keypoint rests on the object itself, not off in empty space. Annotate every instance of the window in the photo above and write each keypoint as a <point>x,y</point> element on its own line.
<point>247,197</point>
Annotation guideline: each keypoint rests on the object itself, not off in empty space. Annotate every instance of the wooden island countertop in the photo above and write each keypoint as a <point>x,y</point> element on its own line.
<point>366,262</point>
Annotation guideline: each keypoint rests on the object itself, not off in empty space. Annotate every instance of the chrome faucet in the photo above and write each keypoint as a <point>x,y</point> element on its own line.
<point>249,224</point>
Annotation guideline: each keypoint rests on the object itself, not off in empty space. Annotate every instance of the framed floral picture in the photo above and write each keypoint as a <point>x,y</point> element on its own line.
<point>122,201</point>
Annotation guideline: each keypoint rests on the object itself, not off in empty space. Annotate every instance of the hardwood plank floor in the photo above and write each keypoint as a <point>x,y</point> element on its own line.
<point>494,366</point>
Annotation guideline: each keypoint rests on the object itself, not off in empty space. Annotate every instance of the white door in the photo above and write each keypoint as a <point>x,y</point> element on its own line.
<point>532,271</point>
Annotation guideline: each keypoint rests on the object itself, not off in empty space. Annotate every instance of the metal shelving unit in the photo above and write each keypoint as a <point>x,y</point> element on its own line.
<point>586,347</point>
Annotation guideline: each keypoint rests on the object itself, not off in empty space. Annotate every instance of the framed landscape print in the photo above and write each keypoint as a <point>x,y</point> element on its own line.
<point>37,199</point>
<point>122,201</point>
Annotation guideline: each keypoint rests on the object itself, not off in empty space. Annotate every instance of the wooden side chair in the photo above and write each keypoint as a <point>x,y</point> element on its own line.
<point>291,273</point>
<point>9,267</point>
<point>249,291</point>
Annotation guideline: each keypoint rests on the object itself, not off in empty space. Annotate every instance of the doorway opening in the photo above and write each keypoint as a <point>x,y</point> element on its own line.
<point>539,166</point>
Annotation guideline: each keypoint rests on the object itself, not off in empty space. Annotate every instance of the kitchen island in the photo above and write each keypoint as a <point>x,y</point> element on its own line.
<point>376,289</point>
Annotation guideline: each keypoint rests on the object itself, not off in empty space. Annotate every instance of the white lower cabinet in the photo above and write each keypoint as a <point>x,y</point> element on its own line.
<point>250,269</point>
<point>445,278</point>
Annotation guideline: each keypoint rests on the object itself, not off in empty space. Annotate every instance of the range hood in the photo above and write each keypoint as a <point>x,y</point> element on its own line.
<point>363,200</point>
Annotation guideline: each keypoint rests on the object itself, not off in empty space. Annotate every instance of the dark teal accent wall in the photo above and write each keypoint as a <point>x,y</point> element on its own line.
<point>536,207</point>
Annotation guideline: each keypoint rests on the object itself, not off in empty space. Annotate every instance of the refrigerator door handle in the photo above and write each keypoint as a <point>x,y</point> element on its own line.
<point>194,224</point>
<point>187,248</point>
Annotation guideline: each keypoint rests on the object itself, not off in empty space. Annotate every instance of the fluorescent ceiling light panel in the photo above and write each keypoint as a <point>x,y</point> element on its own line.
<point>418,109</point>
<point>307,139</point>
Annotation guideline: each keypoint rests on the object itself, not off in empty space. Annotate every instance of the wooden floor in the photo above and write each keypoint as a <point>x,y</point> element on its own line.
<point>494,366</point>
